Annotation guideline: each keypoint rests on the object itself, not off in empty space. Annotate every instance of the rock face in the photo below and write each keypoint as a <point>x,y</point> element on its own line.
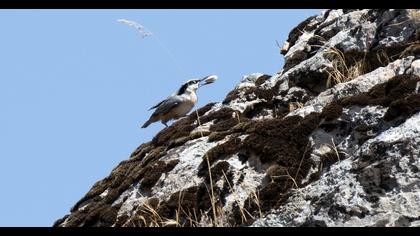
<point>331,140</point>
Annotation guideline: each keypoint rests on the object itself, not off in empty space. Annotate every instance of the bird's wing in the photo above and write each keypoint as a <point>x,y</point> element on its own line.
<point>166,105</point>
<point>153,107</point>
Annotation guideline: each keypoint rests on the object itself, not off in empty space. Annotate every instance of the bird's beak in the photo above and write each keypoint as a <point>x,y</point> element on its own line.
<point>208,80</point>
<point>202,81</point>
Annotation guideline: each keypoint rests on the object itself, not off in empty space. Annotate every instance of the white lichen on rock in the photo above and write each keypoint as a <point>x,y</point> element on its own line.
<point>371,179</point>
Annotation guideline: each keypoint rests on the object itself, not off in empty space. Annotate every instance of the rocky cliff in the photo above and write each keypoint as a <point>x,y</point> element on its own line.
<point>330,140</point>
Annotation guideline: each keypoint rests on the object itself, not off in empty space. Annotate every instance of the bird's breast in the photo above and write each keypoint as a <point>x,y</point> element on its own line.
<point>186,106</point>
<point>194,98</point>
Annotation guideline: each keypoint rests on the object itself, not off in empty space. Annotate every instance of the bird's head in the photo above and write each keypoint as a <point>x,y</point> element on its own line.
<point>193,84</point>
<point>189,86</point>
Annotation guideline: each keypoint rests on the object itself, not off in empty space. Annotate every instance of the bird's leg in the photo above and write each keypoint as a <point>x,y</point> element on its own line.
<point>164,123</point>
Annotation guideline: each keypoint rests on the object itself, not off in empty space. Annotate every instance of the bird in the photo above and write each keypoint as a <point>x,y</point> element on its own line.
<point>180,103</point>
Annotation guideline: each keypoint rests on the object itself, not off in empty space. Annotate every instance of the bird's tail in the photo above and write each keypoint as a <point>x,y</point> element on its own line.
<point>147,123</point>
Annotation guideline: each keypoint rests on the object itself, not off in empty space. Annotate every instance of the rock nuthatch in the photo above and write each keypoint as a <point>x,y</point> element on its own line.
<point>178,104</point>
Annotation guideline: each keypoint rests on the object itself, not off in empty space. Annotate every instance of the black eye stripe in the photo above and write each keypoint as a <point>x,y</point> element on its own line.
<point>184,86</point>
<point>193,82</point>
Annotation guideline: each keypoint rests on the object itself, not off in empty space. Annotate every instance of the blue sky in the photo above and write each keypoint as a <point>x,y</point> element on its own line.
<point>75,86</point>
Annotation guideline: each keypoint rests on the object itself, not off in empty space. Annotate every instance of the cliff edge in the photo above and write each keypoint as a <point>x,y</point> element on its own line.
<point>330,140</point>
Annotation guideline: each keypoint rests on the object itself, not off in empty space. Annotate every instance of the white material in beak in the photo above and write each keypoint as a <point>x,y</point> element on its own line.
<point>210,79</point>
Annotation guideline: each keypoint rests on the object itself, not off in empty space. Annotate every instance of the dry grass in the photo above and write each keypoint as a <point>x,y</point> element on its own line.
<point>219,217</point>
<point>191,219</point>
<point>383,57</point>
<point>337,153</point>
<point>341,72</point>
<point>321,40</point>
<point>414,15</point>
<point>236,199</point>
<point>155,219</point>
<point>212,199</point>
<point>300,164</point>
<point>148,213</point>
<point>288,177</point>
<point>346,67</point>
<point>295,105</point>
<point>413,18</point>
